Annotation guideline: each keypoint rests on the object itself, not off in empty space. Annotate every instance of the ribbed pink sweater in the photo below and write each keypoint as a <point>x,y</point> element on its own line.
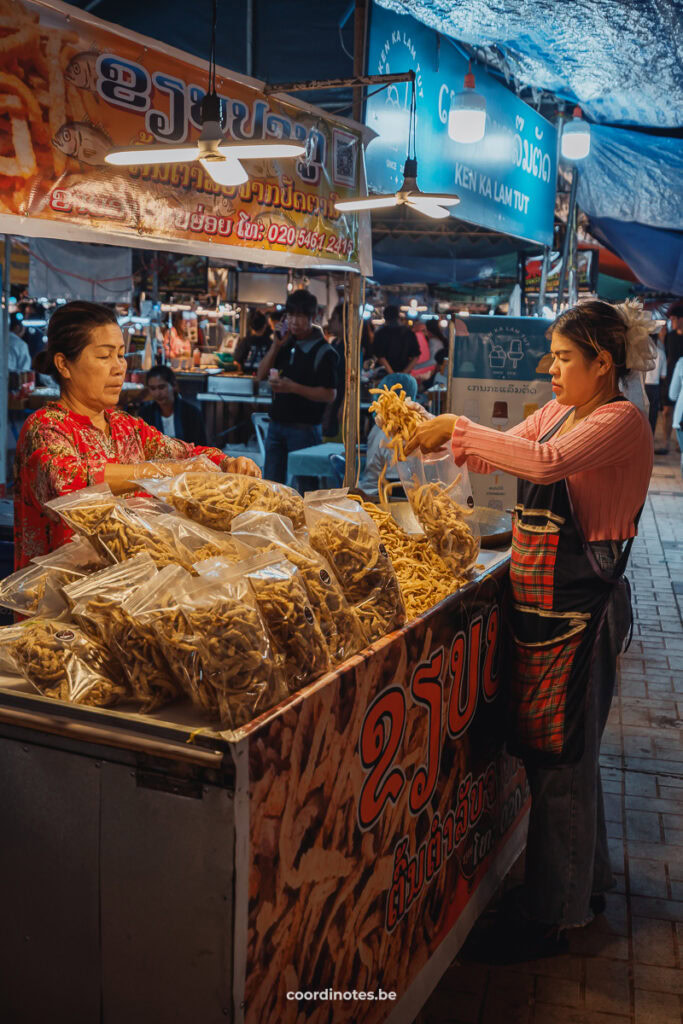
<point>606,458</point>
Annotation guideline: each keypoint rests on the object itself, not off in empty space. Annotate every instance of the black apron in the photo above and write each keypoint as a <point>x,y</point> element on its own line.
<point>559,599</point>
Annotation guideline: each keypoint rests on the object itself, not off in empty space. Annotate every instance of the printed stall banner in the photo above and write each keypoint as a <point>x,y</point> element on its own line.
<point>500,379</point>
<point>383,813</point>
<point>72,87</point>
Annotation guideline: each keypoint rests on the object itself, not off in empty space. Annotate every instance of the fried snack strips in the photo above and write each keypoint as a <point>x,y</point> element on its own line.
<point>283,602</point>
<point>423,576</point>
<point>62,662</point>
<point>443,519</point>
<point>115,530</point>
<point>215,499</point>
<point>95,601</point>
<point>341,531</point>
<point>395,417</point>
<point>339,622</point>
<point>201,541</point>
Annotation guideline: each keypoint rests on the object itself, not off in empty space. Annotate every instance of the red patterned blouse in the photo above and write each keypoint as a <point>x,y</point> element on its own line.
<point>60,451</point>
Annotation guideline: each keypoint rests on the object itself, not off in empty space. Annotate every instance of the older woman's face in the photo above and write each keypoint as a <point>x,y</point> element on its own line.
<point>96,377</point>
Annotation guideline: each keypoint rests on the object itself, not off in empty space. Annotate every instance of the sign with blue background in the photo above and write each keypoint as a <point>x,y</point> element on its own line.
<point>506,182</point>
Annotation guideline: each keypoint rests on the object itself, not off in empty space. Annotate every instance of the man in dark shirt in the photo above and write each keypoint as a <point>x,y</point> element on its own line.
<point>673,346</point>
<point>250,350</point>
<point>168,412</point>
<point>301,368</point>
<point>395,346</point>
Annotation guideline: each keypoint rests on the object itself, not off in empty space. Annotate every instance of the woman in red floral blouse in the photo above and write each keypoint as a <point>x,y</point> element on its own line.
<point>82,439</point>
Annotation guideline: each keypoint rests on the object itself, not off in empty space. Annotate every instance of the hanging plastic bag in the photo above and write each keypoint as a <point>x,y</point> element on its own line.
<point>341,531</point>
<point>441,498</point>
<point>63,662</point>
<point>340,625</point>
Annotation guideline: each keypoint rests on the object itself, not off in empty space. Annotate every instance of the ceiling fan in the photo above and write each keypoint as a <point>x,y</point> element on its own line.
<point>220,157</point>
<point>431,204</point>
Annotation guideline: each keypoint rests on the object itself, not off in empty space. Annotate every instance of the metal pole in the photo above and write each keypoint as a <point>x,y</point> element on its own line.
<point>250,38</point>
<point>567,238</point>
<point>353,327</point>
<point>4,364</point>
<point>360,28</point>
<point>573,285</point>
<point>450,388</point>
<point>545,265</point>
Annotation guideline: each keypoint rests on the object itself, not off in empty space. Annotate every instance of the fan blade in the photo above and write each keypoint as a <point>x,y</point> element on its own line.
<point>443,199</point>
<point>367,203</point>
<point>152,155</point>
<point>265,150</point>
<point>225,172</point>
<point>428,208</point>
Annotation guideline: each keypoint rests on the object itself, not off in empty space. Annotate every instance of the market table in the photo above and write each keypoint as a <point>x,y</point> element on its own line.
<point>314,461</point>
<point>346,839</point>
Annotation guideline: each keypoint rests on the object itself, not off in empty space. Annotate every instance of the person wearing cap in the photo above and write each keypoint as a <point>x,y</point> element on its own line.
<point>301,368</point>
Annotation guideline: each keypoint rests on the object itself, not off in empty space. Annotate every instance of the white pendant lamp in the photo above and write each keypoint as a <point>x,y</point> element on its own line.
<point>467,114</point>
<point>430,204</point>
<point>220,157</point>
<point>576,137</point>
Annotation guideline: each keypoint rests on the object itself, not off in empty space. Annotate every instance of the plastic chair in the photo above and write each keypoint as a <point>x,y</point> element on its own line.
<point>338,463</point>
<point>260,421</point>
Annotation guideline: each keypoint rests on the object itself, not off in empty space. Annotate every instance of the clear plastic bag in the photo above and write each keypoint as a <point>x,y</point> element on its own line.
<point>215,499</point>
<point>95,601</point>
<point>340,625</point>
<point>77,555</point>
<point>341,531</point>
<point>441,498</point>
<point>240,675</point>
<point>283,601</point>
<point>151,676</point>
<point>37,588</point>
<point>64,663</point>
<point>115,530</point>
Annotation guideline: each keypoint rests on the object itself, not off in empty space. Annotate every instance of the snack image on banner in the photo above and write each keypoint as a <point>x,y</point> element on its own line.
<point>73,87</point>
<point>498,384</point>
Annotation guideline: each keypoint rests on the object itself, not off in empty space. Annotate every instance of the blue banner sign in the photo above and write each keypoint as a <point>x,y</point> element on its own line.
<point>506,182</point>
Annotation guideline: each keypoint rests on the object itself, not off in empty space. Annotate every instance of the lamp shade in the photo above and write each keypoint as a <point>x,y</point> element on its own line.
<point>467,117</point>
<point>576,138</point>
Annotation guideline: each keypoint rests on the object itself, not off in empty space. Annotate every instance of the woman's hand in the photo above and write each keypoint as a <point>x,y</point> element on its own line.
<point>241,465</point>
<point>432,435</point>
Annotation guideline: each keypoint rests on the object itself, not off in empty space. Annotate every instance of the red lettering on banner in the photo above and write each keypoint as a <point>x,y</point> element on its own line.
<point>426,688</point>
<point>380,738</point>
<point>461,711</point>
<point>490,680</point>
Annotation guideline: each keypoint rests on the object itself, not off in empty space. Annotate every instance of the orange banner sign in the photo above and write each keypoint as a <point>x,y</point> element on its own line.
<point>73,87</point>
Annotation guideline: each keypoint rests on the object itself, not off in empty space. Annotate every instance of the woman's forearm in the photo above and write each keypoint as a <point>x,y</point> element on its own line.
<point>121,477</point>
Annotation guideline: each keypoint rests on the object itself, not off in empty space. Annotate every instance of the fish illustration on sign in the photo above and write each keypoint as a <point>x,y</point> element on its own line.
<point>83,142</point>
<point>82,70</point>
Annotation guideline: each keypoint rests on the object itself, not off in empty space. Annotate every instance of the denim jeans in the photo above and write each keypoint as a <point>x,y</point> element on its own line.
<point>283,438</point>
<point>567,858</point>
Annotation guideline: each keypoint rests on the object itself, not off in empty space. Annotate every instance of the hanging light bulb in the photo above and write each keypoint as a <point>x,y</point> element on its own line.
<point>576,137</point>
<point>225,172</point>
<point>467,115</point>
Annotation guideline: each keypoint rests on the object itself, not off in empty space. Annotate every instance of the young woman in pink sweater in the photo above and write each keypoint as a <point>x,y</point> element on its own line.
<point>583,462</point>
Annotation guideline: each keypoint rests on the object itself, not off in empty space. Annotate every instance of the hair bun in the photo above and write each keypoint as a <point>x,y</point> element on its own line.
<point>44,363</point>
<point>641,352</point>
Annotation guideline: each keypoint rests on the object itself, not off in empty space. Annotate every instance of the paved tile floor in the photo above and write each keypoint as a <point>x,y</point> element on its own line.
<point>625,967</point>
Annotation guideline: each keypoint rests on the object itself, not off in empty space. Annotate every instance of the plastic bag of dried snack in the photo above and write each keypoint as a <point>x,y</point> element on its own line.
<point>201,541</point>
<point>37,588</point>
<point>85,509</point>
<point>341,531</point>
<point>284,604</point>
<point>209,498</point>
<point>340,625</point>
<point>240,675</point>
<point>64,663</point>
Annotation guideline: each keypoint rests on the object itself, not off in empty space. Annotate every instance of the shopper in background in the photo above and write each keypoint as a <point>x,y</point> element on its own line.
<point>251,349</point>
<point>32,336</point>
<point>425,366</point>
<point>655,381</point>
<point>19,357</point>
<point>676,395</point>
<point>673,347</point>
<point>171,414</point>
<point>395,346</point>
<point>177,344</point>
<point>437,339</point>
<point>302,372</point>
